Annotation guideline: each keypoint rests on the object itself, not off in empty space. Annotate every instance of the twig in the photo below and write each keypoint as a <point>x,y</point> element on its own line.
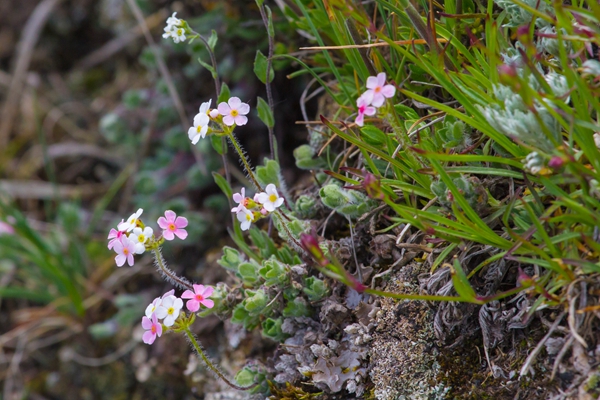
<point>29,38</point>
<point>531,358</point>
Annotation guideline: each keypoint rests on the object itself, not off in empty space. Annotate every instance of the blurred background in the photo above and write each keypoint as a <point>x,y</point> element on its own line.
<point>89,133</point>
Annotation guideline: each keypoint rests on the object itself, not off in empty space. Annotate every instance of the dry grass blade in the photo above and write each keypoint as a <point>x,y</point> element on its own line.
<point>29,189</point>
<point>29,38</point>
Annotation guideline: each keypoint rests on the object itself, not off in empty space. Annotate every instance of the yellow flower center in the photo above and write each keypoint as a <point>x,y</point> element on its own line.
<point>272,198</point>
<point>141,238</point>
<point>234,113</point>
<point>170,310</point>
<point>125,250</point>
<point>179,32</point>
<point>377,89</point>
<point>249,217</point>
<point>198,129</point>
<point>153,328</point>
<point>172,227</point>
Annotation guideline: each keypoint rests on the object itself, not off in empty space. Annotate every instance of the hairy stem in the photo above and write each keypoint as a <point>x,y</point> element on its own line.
<point>170,275</point>
<point>244,160</point>
<point>210,365</point>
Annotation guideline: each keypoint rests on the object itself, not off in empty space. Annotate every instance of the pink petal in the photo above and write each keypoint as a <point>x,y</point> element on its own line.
<point>208,291</point>
<point>388,91</point>
<point>234,102</point>
<point>370,111</point>
<point>228,120</point>
<point>188,294</point>
<point>168,235</point>
<point>169,293</point>
<point>208,303</point>
<point>170,215</point>
<point>224,108</point>
<point>181,222</point>
<point>149,337</point>
<point>236,197</point>
<point>381,79</point>
<point>371,82</point>
<point>367,96</point>
<point>244,109</point>
<point>181,233</point>
<point>112,234</point>
<point>192,305</point>
<point>120,260</point>
<point>162,222</point>
<point>241,120</point>
<point>378,100</point>
<point>158,329</point>
<point>198,288</point>
<point>146,323</point>
<point>130,259</point>
<point>360,119</point>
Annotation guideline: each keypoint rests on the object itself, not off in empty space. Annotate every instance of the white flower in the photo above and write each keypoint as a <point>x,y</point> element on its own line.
<point>234,112</point>
<point>151,309</point>
<point>139,237</point>
<point>131,222</point>
<point>171,22</point>
<point>177,33</point>
<point>245,216</point>
<point>270,198</point>
<point>200,127</point>
<point>169,309</point>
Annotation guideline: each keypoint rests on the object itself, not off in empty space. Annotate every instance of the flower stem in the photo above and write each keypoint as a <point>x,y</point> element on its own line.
<point>244,160</point>
<point>210,365</point>
<point>170,275</point>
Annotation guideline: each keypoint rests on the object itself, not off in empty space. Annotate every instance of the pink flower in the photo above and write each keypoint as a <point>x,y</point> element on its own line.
<point>239,198</point>
<point>364,108</point>
<point>199,296</point>
<point>153,329</point>
<point>234,112</point>
<point>378,90</point>
<point>115,235</point>
<point>125,250</point>
<point>7,229</point>
<point>173,225</point>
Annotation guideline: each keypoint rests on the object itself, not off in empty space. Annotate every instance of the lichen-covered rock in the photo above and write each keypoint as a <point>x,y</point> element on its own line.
<point>403,355</point>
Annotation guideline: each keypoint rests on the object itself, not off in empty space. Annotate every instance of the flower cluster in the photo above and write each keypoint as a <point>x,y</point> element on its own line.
<point>174,29</point>
<point>230,113</point>
<point>132,237</point>
<point>168,307</point>
<point>251,210</point>
<point>374,97</point>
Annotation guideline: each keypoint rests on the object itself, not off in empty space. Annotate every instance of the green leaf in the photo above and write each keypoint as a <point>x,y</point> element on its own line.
<point>269,173</point>
<point>260,67</point>
<point>217,143</point>
<point>225,93</point>
<point>373,135</point>
<point>208,67</point>
<point>264,112</point>
<point>223,184</point>
<point>270,27</point>
<point>259,3</point>
<point>212,40</point>
<point>461,283</point>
